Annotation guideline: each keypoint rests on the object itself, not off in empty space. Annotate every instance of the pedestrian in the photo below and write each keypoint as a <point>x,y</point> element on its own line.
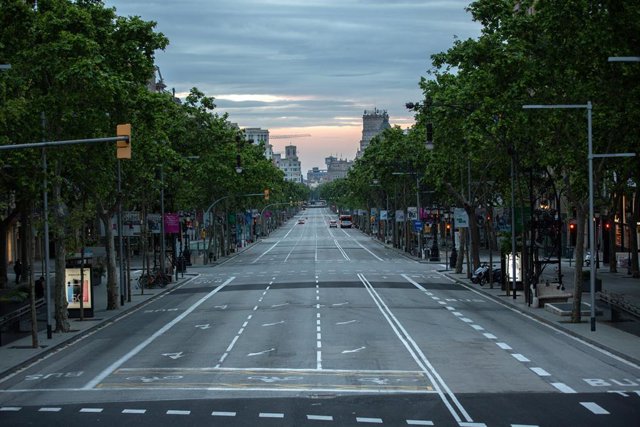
<point>40,287</point>
<point>17,268</point>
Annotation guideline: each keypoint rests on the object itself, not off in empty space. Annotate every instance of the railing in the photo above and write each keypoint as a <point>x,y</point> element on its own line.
<point>17,314</point>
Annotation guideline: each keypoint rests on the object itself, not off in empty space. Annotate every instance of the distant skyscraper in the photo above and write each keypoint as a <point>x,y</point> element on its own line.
<point>373,122</point>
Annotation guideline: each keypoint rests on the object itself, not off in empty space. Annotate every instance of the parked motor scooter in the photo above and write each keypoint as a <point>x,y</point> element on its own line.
<point>481,274</point>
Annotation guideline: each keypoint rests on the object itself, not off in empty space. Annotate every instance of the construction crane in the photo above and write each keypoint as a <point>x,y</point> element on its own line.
<point>294,135</point>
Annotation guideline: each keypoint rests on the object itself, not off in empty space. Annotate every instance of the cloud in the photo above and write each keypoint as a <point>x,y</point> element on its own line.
<point>304,63</point>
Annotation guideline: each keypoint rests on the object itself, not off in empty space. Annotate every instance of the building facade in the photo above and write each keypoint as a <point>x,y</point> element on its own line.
<point>289,164</point>
<point>337,168</point>
<point>373,122</point>
<point>257,136</point>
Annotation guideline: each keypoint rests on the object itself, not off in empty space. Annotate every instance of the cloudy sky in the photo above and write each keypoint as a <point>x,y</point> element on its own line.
<point>304,66</point>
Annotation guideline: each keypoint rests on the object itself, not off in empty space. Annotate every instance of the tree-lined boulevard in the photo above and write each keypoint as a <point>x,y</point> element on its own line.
<point>314,325</point>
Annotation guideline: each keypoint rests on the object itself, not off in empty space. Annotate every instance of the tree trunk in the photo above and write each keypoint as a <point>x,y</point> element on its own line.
<point>461,250</point>
<point>59,234</point>
<point>31,250</point>
<point>60,289</point>
<point>633,234</point>
<point>474,234</point>
<point>581,221</point>
<point>112,283</point>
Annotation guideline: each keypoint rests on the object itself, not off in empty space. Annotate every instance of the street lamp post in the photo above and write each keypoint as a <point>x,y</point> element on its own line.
<point>590,157</point>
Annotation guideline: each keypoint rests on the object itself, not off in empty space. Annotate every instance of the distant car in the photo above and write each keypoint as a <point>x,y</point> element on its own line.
<point>301,221</point>
<point>333,223</point>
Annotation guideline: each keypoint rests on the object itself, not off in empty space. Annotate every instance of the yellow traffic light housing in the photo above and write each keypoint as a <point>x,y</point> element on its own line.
<point>124,147</point>
<point>266,194</point>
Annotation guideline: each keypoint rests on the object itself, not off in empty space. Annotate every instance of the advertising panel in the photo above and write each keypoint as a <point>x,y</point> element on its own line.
<point>171,223</point>
<point>153,223</point>
<point>73,291</point>
<point>461,218</point>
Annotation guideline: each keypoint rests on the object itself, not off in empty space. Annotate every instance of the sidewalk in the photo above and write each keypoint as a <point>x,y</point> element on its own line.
<point>619,338</point>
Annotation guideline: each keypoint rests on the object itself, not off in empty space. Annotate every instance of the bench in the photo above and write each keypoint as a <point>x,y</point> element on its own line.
<point>618,303</point>
<point>549,293</point>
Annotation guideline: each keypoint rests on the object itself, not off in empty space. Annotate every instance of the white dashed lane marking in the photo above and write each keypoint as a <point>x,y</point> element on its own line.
<point>564,388</point>
<point>369,420</point>
<point>595,408</point>
<point>177,412</point>
<point>320,417</point>
<point>541,372</point>
<point>271,415</point>
<point>223,414</point>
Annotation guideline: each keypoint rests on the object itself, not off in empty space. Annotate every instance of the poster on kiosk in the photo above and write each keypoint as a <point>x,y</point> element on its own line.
<point>75,292</point>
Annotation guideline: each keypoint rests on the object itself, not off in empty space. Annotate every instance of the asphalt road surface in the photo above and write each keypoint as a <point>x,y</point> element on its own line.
<point>324,327</point>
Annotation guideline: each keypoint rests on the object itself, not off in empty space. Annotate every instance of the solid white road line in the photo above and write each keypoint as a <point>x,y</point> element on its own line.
<point>416,353</point>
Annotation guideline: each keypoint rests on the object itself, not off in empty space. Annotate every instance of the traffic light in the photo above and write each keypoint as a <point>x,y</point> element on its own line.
<point>123,150</point>
<point>572,234</point>
<point>266,194</point>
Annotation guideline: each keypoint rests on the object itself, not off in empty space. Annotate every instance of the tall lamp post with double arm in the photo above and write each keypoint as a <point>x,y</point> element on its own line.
<point>428,143</point>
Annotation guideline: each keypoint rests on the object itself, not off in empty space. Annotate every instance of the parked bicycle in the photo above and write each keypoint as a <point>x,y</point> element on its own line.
<point>156,279</point>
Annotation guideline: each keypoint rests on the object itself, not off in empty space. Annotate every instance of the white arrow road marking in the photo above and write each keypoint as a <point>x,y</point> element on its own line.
<point>272,324</point>
<point>346,323</point>
<point>207,326</point>
<point>222,307</point>
<point>340,303</point>
<point>261,352</point>
<point>353,351</point>
<point>174,356</point>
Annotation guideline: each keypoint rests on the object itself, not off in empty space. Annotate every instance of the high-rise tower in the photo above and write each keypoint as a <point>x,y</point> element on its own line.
<point>373,122</point>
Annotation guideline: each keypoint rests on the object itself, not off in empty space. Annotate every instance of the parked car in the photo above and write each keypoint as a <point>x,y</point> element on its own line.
<point>333,223</point>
